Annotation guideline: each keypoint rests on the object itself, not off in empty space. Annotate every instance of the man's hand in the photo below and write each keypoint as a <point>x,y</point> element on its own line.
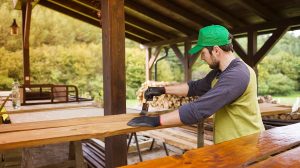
<point>145,121</point>
<point>154,91</point>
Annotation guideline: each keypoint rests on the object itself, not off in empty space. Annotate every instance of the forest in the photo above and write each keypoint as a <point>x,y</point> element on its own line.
<point>67,51</point>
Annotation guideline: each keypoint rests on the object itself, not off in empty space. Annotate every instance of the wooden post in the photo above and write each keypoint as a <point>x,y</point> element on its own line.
<point>148,69</point>
<point>187,65</point>
<point>26,19</point>
<point>200,134</point>
<point>252,48</point>
<point>113,41</point>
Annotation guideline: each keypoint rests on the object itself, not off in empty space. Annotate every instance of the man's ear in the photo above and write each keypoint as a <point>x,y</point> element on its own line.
<point>216,49</point>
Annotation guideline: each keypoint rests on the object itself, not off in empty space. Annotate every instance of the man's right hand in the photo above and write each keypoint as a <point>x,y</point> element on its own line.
<point>154,91</point>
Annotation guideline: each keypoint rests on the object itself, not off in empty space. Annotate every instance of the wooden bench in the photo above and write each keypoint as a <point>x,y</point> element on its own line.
<point>48,93</point>
<point>278,147</point>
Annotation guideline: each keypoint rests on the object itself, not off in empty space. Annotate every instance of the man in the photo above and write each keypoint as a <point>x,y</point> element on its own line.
<point>229,91</point>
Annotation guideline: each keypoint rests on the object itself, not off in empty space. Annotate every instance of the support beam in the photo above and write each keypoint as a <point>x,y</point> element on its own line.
<point>252,48</point>
<point>270,43</point>
<point>239,50</point>
<point>151,57</point>
<point>113,37</point>
<point>184,59</point>
<point>148,69</point>
<point>154,56</point>
<point>26,19</point>
<point>187,60</point>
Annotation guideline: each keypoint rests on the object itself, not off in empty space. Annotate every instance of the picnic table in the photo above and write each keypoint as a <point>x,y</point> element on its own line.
<point>278,147</point>
<point>35,126</point>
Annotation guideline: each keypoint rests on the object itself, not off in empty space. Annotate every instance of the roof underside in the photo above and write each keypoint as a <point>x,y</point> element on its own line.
<point>160,21</point>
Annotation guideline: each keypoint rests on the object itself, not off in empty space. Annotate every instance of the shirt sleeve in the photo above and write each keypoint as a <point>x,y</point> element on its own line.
<point>201,86</point>
<point>229,87</point>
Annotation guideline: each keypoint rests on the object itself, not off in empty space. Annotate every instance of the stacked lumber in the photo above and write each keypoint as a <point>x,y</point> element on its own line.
<point>266,99</point>
<point>287,116</point>
<point>165,101</point>
<point>94,153</point>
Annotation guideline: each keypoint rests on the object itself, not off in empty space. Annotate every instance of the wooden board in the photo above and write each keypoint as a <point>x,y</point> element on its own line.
<point>58,114</point>
<point>106,127</point>
<point>241,152</point>
<point>286,159</point>
<point>46,107</point>
<point>273,109</point>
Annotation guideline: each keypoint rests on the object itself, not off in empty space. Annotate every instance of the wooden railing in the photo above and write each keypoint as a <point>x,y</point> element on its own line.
<point>48,93</point>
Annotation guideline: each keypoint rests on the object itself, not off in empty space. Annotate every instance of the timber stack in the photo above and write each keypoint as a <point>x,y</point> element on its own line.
<point>165,101</point>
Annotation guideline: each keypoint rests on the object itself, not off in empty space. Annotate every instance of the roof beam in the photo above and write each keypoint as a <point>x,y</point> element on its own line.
<point>147,35</point>
<point>218,12</point>
<point>147,27</point>
<point>259,9</point>
<point>131,20</point>
<point>85,19</point>
<point>83,10</point>
<point>241,31</point>
<point>168,5</point>
<point>161,18</point>
<point>68,12</point>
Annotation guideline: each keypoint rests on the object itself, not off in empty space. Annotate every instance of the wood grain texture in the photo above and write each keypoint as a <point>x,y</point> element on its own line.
<point>288,159</point>
<point>240,152</point>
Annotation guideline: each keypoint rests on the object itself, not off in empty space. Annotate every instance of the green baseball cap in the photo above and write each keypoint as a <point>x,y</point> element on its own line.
<point>211,36</point>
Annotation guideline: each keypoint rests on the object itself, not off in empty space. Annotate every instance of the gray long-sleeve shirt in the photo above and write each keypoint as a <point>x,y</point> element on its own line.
<point>231,84</point>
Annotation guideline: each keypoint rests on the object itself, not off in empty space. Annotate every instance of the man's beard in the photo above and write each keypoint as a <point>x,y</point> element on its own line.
<point>214,63</point>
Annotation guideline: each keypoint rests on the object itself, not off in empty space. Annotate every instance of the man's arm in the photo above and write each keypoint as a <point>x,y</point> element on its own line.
<point>178,90</point>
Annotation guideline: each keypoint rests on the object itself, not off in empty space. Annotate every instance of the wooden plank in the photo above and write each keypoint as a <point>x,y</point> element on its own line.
<point>47,107</point>
<point>171,140</point>
<point>288,158</point>
<point>116,125</point>
<point>229,154</point>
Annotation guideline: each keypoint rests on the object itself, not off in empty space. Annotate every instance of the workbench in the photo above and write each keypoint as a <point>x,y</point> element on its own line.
<point>278,147</point>
<point>36,127</point>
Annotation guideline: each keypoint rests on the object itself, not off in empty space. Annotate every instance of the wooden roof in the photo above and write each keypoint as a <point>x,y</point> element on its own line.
<point>156,22</point>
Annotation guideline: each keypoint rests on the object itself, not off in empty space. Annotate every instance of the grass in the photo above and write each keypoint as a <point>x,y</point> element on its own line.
<point>289,99</point>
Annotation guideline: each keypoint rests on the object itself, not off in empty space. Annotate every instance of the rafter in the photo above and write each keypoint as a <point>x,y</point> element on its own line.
<point>88,20</point>
<point>184,13</point>
<point>259,9</point>
<point>218,12</point>
<point>91,8</point>
<point>159,17</point>
<point>147,27</point>
<point>147,35</point>
<point>83,10</point>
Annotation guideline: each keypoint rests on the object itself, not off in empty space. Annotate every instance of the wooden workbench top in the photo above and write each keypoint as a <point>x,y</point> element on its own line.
<point>255,150</point>
<point>56,131</point>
